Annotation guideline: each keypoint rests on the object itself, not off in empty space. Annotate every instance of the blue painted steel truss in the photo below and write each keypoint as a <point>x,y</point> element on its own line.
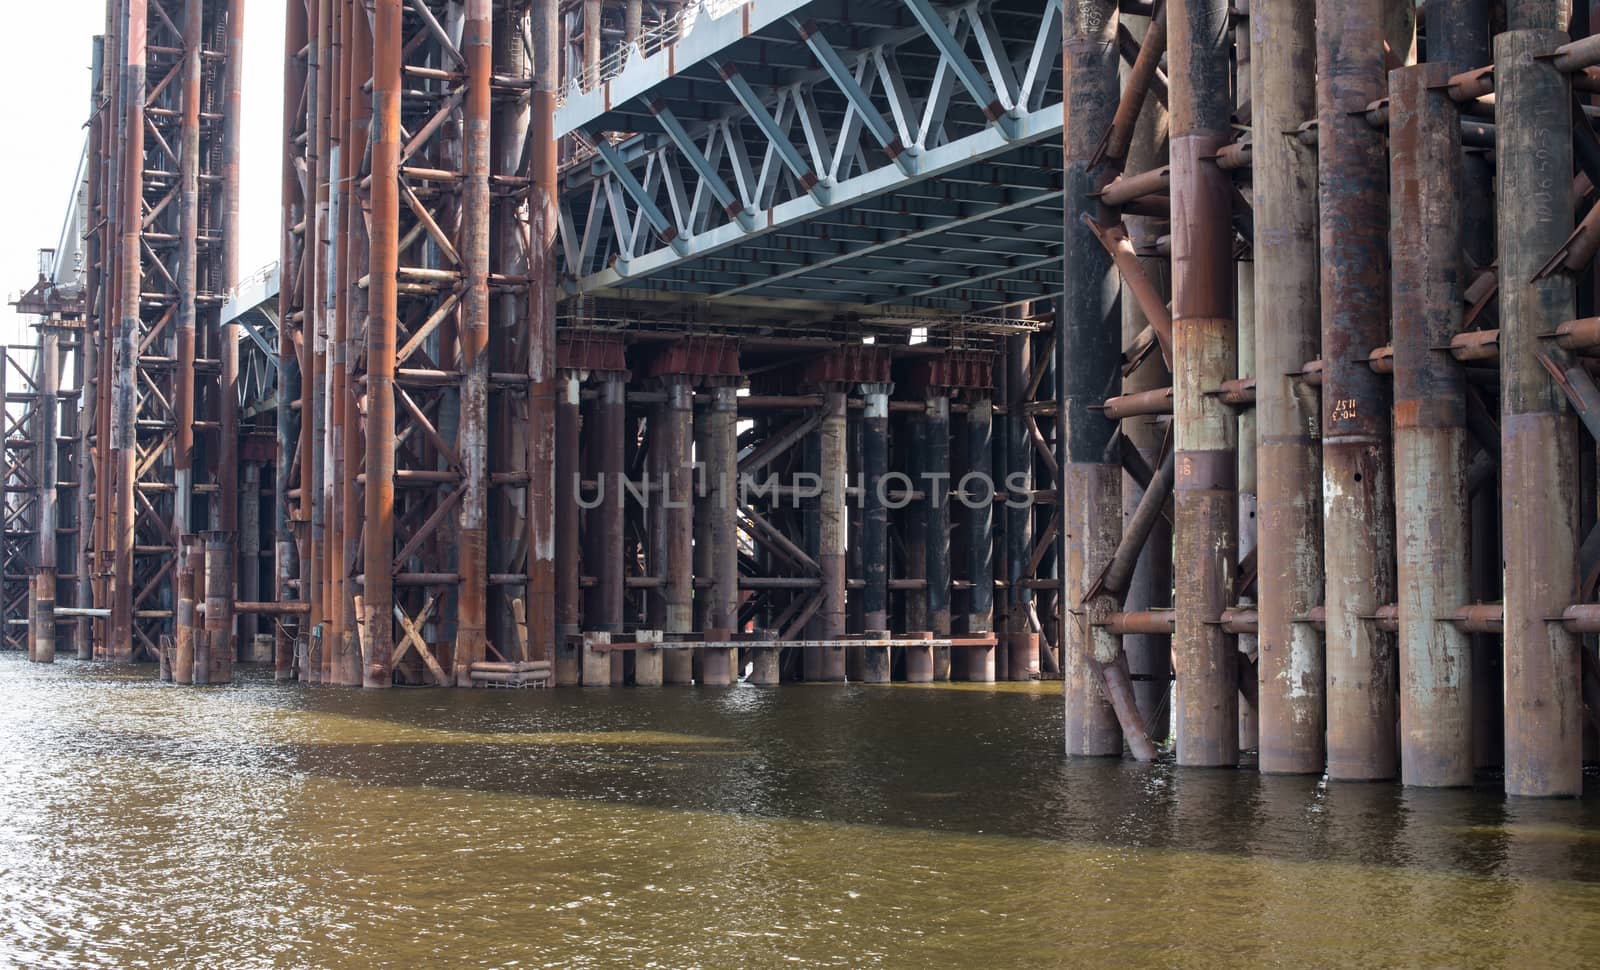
<point>892,153</point>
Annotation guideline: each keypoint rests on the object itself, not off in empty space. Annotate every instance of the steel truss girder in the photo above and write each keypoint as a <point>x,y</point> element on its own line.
<point>945,93</point>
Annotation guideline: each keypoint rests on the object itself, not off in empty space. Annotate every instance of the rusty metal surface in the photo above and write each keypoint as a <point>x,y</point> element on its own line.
<point>1205,534</point>
<point>671,443</point>
<point>604,522</point>
<point>1088,354</point>
<point>1430,433</point>
<point>378,528</point>
<point>1357,490</point>
<point>1091,723</point>
<point>472,440</point>
<point>125,334</point>
<point>828,663</point>
<point>566,668</point>
<point>1543,738</point>
<point>721,463</point>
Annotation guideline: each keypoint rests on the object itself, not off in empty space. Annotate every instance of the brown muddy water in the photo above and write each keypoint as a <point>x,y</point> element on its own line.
<point>259,825</point>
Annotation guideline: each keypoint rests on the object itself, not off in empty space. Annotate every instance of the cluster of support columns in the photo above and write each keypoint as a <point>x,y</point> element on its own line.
<point>790,509</point>
<point>417,403</point>
<point>154,429</point>
<point>38,512</point>
<point>1396,329</point>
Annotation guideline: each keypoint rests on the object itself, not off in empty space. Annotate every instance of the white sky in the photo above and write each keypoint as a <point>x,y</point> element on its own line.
<point>44,64</point>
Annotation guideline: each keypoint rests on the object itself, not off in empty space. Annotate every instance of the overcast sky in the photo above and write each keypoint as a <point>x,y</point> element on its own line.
<point>45,57</point>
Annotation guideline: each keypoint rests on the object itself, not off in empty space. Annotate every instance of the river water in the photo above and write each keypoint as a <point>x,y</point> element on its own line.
<point>259,825</point>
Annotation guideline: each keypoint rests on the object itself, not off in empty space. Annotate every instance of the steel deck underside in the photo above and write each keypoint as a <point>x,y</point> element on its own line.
<point>777,183</point>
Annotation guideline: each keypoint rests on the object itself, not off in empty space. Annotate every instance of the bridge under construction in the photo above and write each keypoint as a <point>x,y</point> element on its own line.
<point>1234,364</point>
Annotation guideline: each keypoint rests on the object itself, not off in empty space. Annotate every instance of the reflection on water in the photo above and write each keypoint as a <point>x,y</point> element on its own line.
<point>258,825</point>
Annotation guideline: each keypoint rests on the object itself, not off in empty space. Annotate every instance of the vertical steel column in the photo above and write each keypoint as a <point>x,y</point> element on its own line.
<point>378,529</point>
<point>1458,36</point>
<point>233,118</point>
<point>88,464</point>
<point>107,326</point>
<point>1290,681</point>
<point>42,628</point>
<point>339,518</point>
<point>591,39</point>
<point>672,446</point>
<point>632,20</point>
<point>314,429</point>
<point>226,224</point>
<point>42,615</point>
<point>1538,432</point>
<point>1357,492</point>
<point>73,431</point>
<point>291,262</point>
<point>188,274</point>
<point>1430,433</point>
<point>875,527</point>
<point>355,249</point>
<point>979,662</point>
<point>1022,643</point>
<point>541,344</point>
<point>249,557</point>
<point>219,607</point>
<point>567,668</point>
<point>1206,540</point>
<point>472,443</point>
<point>47,447</point>
<point>828,663</point>
<point>183,616</point>
<point>200,665</point>
<point>124,402</point>
<point>704,563</point>
<point>918,660</point>
<point>721,463</point>
<point>936,483</point>
<point>765,669</point>
<point>1536,15</point>
<point>603,545</point>
<point>1088,353</point>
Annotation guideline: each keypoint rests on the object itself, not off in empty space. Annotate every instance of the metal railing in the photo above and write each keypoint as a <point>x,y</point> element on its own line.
<point>650,42</point>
